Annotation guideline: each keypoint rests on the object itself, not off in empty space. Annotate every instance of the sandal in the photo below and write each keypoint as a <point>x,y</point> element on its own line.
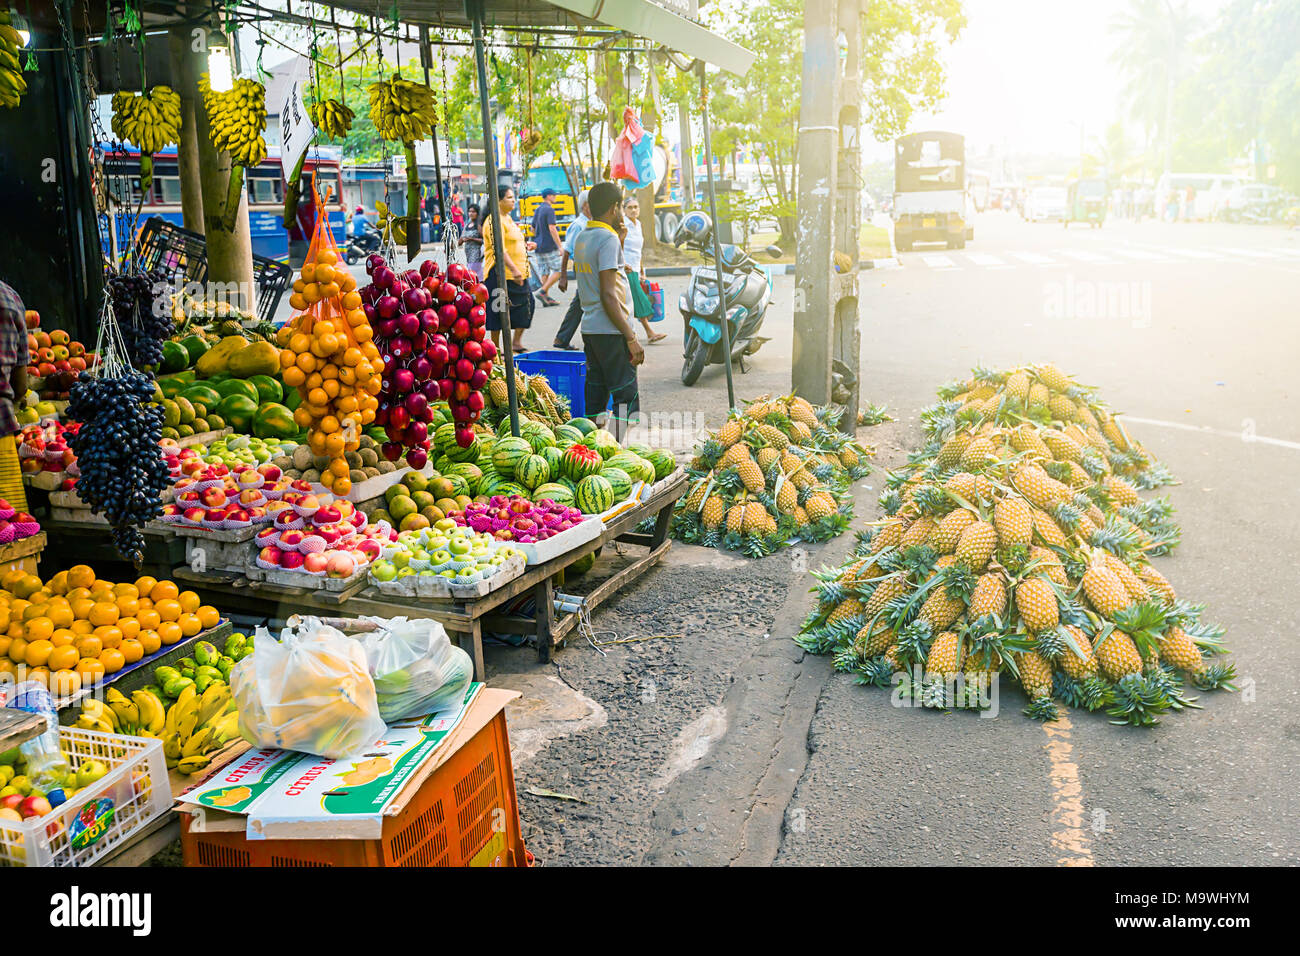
<point>657,337</point>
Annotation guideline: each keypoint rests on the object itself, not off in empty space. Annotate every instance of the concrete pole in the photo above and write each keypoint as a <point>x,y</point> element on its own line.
<point>814,239</point>
<point>848,214</point>
<point>187,150</point>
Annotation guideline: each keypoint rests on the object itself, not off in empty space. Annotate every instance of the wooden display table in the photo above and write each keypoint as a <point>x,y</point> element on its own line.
<point>465,620</point>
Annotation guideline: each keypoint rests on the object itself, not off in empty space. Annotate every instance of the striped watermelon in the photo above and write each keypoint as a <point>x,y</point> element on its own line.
<point>443,464</point>
<point>634,465</point>
<point>532,471</point>
<point>443,436</point>
<point>472,474</point>
<point>579,461</point>
<point>507,453</point>
<point>594,495</point>
<point>583,425</point>
<point>459,483</point>
<point>566,435</point>
<point>554,491</point>
<point>485,446</point>
<point>538,435</point>
<point>490,483</point>
<point>638,449</point>
<point>620,482</point>
<point>511,489</point>
<point>664,463</point>
<point>603,442</point>
<point>553,456</point>
<point>458,454</point>
<point>567,482</point>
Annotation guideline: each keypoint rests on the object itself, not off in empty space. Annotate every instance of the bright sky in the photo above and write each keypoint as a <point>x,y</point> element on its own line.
<point>1025,73</point>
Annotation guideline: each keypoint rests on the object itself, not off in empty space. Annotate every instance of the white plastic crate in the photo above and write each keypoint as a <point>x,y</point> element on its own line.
<point>136,784</point>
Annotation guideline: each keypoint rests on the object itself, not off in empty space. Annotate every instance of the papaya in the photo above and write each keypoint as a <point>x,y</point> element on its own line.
<point>202,394</point>
<point>184,431</point>
<point>186,409</point>
<point>260,358</point>
<point>171,413</point>
<point>200,425</point>
<point>217,358</point>
<point>174,358</point>
<point>170,432</point>
<point>268,387</point>
<point>237,386</point>
<point>238,412</point>
<point>200,409</point>
<point>173,385</point>
<point>274,421</point>
<point>215,422</point>
<point>195,346</point>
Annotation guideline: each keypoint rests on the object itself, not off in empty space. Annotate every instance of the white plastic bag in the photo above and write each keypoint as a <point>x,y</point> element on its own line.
<point>310,691</point>
<point>415,667</point>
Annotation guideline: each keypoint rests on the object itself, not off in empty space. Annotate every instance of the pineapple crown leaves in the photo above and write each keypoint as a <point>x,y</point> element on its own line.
<point>1216,677</point>
<point>1156,476</point>
<point>1145,622</point>
<point>933,500</point>
<point>728,481</point>
<point>1058,470</point>
<point>1138,702</point>
<point>1043,709</point>
<point>862,540</point>
<point>890,501</point>
<point>958,580</point>
<point>1067,689</point>
<point>846,659</point>
<point>1116,536</point>
<point>1055,642</point>
<point>874,414</point>
<point>710,451</point>
<point>914,642</point>
<point>1068,517</point>
<point>874,672</point>
<point>952,389</point>
<point>1092,462</point>
<point>1165,680</point>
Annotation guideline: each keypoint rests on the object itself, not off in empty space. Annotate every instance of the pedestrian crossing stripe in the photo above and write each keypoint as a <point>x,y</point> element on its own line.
<point>1033,258</point>
<point>1082,255</point>
<point>1250,253</point>
<point>936,261</point>
<point>984,259</point>
<point>1115,255</point>
<point>1146,255</point>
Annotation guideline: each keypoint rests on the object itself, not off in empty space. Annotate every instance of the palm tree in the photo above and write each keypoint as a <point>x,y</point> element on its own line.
<point>1153,36</point>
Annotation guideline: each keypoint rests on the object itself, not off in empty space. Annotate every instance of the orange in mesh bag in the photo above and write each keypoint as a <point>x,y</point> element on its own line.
<point>327,352</point>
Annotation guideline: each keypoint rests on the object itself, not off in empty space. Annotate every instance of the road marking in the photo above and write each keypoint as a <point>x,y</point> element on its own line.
<point>1286,252</point>
<point>1223,432</point>
<point>1033,258</point>
<point>937,261</point>
<point>1082,255</point>
<point>984,259</point>
<point>1070,838</point>
<point>1192,253</point>
<point>1146,255</point>
<point>1250,253</point>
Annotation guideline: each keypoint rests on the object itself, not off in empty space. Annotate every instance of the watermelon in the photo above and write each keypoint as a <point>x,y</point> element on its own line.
<point>236,386</point>
<point>443,436</point>
<point>620,482</point>
<point>174,358</point>
<point>554,457</point>
<point>268,388</point>
<point>664,462</point>
<point>583,425</point>
<point>195,346</point>
<point>566,435</point>
<point>579,461</point>
<point>459,484</point>
<point>638,449</point>
<point>507,453</point>
<point>472,474</point>
<point>532,470</point>
<point>603,442</point>
<point>538,435</point>
<point>205,395</point>
<point>293,398</point>
<point>274,421</point>
<point>555,492</point>
<point>637,467</point>
<point>567,482</point>
<point>594,495</point>
<point>238,410</point>
<point>511,489</point>
<point>490,484</point>
<point>458,454</point>
<point>485,445</point>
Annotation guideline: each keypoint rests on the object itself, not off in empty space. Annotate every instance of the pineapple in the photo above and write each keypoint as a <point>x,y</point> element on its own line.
<point>1117,655</point>
<point>802,411</point>
<point>1039,396</point>
<point>787,498</point>
<point>964,484</point>
<point>1048,565</point>
<point>498,392</point>
<point>1026,439</point>
<point>1062,408</point>
<point>1036,603</point>
<point>749,473</point>
<point>885,592</point>
<point>940,609</point>
<point>872,643</point>
<point>696,497</point>
<point>820,505</point>
<point>1048,530</point>
<point>945,655</point>
<point>978,454</point>
<point>1035,675</point>
<point>951,452</point>
<point>1014,522</point>
<point>918,532</point>
<point>845,611</point>
<point>1105,590</point>
<point>1017,386</point>
<point>735,518</point>
<point>1178,648</point>
<point>1157,582</point>
<point>1135,586</point>
<point>730,433</point>
<point>772,435</point>
<point>1054,378</point>
<point>1063,448</point>
<point>976,544</point>
<point>752,519</point>
<point>1041,490</point>
<point>948,531</point>
<point>714,511</point>
<point>800,433</point>
<point>849,457</point>
<point>800,517</point>
<point>1080,668</point>
<point>767,457</point>
<point>989,597</point>
<point>1121,492</point>
<point>889,536</point>
<point>734,455</point>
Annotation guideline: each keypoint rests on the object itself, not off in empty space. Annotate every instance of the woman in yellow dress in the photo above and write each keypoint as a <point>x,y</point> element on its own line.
<point>515,296</point>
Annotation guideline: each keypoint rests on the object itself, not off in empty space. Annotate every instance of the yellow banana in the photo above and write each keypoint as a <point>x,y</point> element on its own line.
<point>187,718</point>
<point>213,702</point>
<point>128,715</point>
<point>172,746</point>
<point>200,742</point>
<point>152,715</point>
<point>193,763</point>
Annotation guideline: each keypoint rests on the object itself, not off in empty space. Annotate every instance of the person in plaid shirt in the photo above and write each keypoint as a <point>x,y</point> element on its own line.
<point>13,357</point>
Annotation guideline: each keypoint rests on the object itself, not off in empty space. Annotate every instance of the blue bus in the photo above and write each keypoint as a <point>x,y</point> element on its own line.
<point>265,186</point>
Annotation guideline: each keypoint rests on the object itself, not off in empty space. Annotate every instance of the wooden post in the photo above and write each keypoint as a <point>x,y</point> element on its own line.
<point>814,303</point>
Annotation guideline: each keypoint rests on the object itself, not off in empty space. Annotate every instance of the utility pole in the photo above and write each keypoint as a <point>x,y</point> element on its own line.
<point>846,334</point>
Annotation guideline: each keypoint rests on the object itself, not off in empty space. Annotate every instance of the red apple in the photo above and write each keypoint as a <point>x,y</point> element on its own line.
<point>271,555</point>
<point>291,560</point>
<point>315,563</point>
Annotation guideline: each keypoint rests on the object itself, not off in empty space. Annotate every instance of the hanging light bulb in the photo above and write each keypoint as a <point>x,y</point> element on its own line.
<point>21,27</point>
<point>220,74</point>
<point>633,76</point>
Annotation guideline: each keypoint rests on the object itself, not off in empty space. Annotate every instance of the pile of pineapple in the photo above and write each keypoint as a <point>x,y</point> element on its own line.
<point>538,401</point>
<point>1016,542</point>
<point>777,472</point>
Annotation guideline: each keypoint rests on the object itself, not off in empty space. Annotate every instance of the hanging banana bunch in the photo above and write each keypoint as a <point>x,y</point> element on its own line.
<point>12,83</point>
<point>149,120</point>
<point>391,228</point>
<point>237,119</point>
<point>331,117</point>
<point>404,112</point>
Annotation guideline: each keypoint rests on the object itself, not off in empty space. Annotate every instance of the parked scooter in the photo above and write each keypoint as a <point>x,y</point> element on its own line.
<point>748,293</point>
<point>360,246</point>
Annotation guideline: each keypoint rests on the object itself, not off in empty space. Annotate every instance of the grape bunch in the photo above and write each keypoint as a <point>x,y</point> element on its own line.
<point>123,473</point>
<point>143,307</point>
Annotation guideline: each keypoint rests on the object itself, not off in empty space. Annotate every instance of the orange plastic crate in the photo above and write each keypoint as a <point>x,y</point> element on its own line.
<point>465,814</point>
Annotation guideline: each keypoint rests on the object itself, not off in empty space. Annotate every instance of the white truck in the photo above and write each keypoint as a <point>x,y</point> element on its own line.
<point>930,198</point>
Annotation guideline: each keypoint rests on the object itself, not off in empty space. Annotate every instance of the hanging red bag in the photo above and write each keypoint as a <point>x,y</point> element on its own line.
<point>632,160</point>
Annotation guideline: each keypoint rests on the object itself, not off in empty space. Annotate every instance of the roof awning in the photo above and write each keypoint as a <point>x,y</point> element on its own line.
<point>643,18</point>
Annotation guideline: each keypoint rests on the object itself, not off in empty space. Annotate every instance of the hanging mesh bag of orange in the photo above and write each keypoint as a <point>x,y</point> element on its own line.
<point>327,352</point>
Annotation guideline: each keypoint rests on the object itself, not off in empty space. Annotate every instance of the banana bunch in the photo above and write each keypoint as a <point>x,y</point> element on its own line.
<point>149,120</point>
<point>331,117</point>
<point>402,110</point>
<point>12,84</point>
<point>140,715</point>
<point>198,725</point>
<point>390,226</point>
<point>237,118</point>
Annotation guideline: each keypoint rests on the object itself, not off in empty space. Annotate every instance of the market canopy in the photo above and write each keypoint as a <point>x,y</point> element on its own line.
<point>644,18</point>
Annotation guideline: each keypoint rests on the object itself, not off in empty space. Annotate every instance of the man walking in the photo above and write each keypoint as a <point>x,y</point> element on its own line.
<point>547,236</point>
<point>564,337</point>
<point>608,339</point>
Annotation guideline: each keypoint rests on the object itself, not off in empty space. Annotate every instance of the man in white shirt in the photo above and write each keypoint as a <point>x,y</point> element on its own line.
<point>573,317</point>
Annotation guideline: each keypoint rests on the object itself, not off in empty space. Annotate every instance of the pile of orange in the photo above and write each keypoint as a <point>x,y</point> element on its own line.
<point>70,631</point>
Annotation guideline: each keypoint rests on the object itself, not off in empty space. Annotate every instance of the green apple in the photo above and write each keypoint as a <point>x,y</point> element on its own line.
<point>467,572</point>
<point>90,771</point>
<point>405,572</point>
<point>419,554</point>
<point>446,525</point>
<point>438,542</point>
<point>21,784</point>
<point>441,557</point>
<point>427,573</point>
<point>459,546</point>
<point>401,559</point>
<point>447,574</point>
<point>383,570</point>
<point>497,559</point>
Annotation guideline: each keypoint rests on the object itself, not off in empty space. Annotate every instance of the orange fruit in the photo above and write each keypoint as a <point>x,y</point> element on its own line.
<point>65,683</point>
<point>7,666</point>
<point>109,635</point>
<point>39,674</point>
<point>16,608</point>
<point>144,602</point>
<point>126,590</point>
<point>130,628</point>
<point>59,583</point>
<point>169,609</point>
<point>63,637</point>
<point>132,651</point>
<point>150,641</point>
<point>189,601</point>
<point>33,611</point>
<point>39,629</point>
<point>4,618</point>
<point>11,577</point>
<point>112,659</point>
<point>88,645</point>
<point>81,576</point>
<point>63,658</point>
<point>18,650</point>
<point>5,641</point>
<point>61,614</point>
<point>189,625</point>
<point>127,607</point>
<point>38,652</point>
<point>148,618</point>
<point>90,669</point>
<point>16,629</point>
<point>102,591</point>
<point>26,586</point>
<point>81,608</point>
<point>103,613</point>
<point>144,586</point>
<point>208,615</point>
<point>164,589</point>
<point>82,627</point>
<point>169,632</point>
<point>78,593</point>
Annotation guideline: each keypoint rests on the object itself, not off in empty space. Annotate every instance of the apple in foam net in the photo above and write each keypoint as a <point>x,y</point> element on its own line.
<point>213,497</point>
<point>270,472</point>
<point>315,563</point>
<point>271,555</point>
<point>328,514</point>
<point>291,538</point>
<point>291,560</point>
<point>341,564</point>
<point>194,514</point>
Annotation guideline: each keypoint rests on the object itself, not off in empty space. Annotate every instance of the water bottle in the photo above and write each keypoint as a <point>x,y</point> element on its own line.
<point>47,768</point>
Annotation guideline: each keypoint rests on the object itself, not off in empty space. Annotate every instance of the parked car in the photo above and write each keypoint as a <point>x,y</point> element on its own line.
<point>1252,202</point>
<point>1045,204</point>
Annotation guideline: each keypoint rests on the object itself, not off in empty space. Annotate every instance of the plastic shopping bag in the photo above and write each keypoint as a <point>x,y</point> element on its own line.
<point>310,691</point>
<point>416,668</point>
<point>633,159</point>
